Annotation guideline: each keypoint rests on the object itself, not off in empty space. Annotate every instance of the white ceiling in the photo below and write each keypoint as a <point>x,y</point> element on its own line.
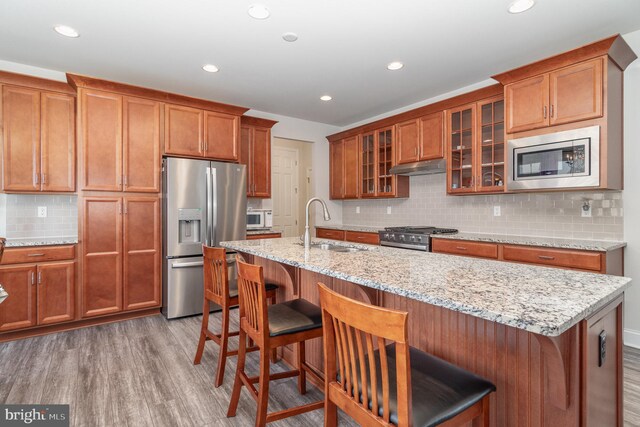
<point>343,46</point>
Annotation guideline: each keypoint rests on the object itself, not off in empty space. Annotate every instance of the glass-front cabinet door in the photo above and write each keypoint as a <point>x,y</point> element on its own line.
<point>385,161</point>
<point>461,149</point>
<point>368,165</point>
<point>491,145</point>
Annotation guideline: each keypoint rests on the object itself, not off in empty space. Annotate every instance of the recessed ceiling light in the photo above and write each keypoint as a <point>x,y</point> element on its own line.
<point>326,98</point>
<point>519,6</point>
<point>258,11</point>
<point>66,31</point>
<point>290,37</point>
<point>210,68</point>
<point>395,65</point>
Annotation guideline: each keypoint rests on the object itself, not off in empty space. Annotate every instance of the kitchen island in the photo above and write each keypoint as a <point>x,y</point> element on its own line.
<point>533,331</point>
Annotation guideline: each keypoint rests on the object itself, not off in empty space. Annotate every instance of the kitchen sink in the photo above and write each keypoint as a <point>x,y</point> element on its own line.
<point>335,248</point>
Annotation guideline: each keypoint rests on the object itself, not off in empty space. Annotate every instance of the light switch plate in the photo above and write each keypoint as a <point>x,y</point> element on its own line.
<point>357,209</point>
<point>388,210</point>
<point>496,211</point>
<point>42,211</point>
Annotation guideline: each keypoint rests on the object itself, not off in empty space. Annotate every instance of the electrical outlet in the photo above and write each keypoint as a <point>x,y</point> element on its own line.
<point>496,211</point>
<point>42,211</point>
<point>388,210</point>
<point>357,209</point>
<point>586,210</point>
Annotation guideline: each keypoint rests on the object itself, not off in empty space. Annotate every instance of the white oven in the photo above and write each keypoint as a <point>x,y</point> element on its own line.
<point>568,159</point>
<point>259,218</point>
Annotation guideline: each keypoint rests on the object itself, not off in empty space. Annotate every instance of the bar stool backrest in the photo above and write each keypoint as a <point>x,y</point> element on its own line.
<point>216,282</point>
<point>2,243</point>
<point>353,330</point>
<point>252,298</point>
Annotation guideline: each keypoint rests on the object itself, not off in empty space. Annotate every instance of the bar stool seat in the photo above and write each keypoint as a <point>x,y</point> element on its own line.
<point>440,390</point>
<point>293,316</point>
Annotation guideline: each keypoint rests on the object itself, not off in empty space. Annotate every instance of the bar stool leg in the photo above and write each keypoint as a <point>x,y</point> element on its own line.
<point>330,414</point>
<point>224,339</point>
<point>203,336</point>
<point>483,419</point>
<point>263,392</point>
<point>302,378</point>
<point>274,351</point>
<point>237,384</point>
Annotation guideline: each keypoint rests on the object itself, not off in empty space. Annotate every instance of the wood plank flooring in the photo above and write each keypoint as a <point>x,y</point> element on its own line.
<point>140,373</point>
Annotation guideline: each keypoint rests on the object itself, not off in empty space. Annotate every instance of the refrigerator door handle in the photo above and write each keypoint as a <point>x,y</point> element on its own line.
<point>214,204</point>
<point>187,264</point>
<point>207,237</point>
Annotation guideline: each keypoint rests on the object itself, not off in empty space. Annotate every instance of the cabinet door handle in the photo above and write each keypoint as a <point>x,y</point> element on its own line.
<point>546,257</point>
<point>544,110</point>
<point>551,111</point>
<point>415,151</point>
<point>44,178</point>
<point>125,179</point>
<point>36,178</point>
<point>461,248</point>
<point>32,255</point>
<point>39,277</point>
<point>33,278</point>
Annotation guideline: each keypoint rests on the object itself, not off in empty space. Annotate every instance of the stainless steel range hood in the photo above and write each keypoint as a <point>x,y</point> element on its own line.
<point>427,167</point>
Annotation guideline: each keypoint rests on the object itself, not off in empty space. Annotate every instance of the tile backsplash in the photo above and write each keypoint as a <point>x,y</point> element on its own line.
<point>19,216</point>
<point>532,214</point>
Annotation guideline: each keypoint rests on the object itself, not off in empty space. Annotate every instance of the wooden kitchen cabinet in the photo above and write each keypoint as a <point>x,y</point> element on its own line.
<point>56,292</point>
<point>421,138</point>
<point>255,153</point>
<point>264,236</point>
<point>377,157</point>
<point>40,293</point>
<point>329,233</point>
<point>141,238</point>
<point>39,140</point>
<point>183,131</point>
<point>141,145</point>
<point>19,309</point>
<point>351,153</point>
<point>476,146</point>
<point>566,95</point>
<point>121,254</point>
<point>336,170</point>
<point>465,248</point>
<point>362,237</point>
<point>120,142</point>
<point>221,135</point>
<point>101,255</point>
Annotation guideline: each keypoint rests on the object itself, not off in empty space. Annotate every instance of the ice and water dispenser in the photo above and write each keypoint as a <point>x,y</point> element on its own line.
<point>189,223</point>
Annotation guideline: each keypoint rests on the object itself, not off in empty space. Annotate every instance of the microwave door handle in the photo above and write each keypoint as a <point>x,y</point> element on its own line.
<point>209,207</point>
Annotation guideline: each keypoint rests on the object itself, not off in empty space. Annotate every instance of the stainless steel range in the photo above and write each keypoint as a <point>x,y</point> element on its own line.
<point>416,238</point>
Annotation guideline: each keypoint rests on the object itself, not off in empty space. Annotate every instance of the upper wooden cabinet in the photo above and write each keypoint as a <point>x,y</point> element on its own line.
<point>39,140</point>
<point>476,151</point>
<point>343,168</point>
<point>120,142</point>
<point>420,139</point>
<point>194,132</point>
<point>567,95</point>
<point>255,153</point>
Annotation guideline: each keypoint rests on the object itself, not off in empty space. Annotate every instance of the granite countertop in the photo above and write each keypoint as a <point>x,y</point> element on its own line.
<point>261,231</point>
<point>43,241</point>
<point>548,242</point>
<point>542,300</point>
<point>361,228</point>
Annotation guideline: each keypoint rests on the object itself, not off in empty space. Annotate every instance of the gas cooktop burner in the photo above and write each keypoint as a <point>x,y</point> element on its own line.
<point>421,230</point>
<point>417,238</point>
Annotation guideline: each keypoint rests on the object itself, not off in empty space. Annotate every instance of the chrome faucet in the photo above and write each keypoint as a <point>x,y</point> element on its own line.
<point>327,217</point>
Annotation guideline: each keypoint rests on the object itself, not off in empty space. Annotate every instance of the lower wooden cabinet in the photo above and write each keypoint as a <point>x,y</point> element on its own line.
<point>264,236</point>
<point>121,254</point>
<point>39,294</point>
<point>465,248</point>
<point>349,236</point>
<point>328,233</point>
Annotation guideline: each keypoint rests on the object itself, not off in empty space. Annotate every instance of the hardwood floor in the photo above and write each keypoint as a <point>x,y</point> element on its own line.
<point>141,373</point>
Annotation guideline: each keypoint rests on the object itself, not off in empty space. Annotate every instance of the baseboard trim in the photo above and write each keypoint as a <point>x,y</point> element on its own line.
<point>632,338</point>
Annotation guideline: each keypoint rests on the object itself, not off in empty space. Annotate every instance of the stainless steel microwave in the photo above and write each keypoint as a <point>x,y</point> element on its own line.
<point>567,159</point>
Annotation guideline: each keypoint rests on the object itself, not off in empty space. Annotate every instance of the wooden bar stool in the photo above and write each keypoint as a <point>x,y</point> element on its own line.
<point>291,322</point>
<point>217,289</point>
<point>412,388</point>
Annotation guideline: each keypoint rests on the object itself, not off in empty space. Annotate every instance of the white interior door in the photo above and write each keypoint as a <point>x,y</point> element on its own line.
<point>284,174</point>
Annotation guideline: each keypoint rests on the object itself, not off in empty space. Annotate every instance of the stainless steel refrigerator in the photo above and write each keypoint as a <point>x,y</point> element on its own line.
<point>204,202</point>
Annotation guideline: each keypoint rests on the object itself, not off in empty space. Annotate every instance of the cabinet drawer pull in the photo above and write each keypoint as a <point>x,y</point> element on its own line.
<point>546,257</point>
<point>461,248</point>
<point>35,254</point>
